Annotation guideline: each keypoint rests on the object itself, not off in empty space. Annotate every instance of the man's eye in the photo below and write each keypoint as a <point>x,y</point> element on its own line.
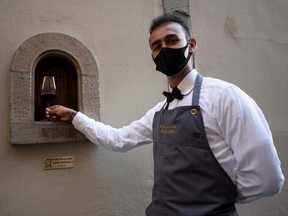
<point>173,41</point>
<point>156,47</point>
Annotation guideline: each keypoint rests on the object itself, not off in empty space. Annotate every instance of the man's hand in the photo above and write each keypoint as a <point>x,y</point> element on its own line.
<point>58,112</point>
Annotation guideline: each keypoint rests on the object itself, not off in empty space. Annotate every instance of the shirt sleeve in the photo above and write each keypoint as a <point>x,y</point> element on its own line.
<point>116,139</point>
<point>246,131</point>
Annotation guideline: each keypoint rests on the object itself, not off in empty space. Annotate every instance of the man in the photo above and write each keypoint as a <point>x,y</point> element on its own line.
<point>212,144</point>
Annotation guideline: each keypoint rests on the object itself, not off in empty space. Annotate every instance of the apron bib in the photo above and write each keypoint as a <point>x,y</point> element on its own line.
<point>188,180</point>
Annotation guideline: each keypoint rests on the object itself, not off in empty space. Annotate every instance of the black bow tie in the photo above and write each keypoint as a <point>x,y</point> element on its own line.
<point>176,93</point>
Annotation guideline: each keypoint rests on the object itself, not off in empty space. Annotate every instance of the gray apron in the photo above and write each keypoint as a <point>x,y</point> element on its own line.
<point>188,180</point>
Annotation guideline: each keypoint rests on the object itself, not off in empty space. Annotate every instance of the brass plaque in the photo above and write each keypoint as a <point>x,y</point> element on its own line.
<point>60,162</point>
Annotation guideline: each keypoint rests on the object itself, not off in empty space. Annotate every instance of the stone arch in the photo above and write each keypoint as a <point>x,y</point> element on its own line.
<point>22,90</point>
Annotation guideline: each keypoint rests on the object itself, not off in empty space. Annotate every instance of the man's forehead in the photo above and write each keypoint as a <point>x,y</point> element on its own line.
<point>166,29</point>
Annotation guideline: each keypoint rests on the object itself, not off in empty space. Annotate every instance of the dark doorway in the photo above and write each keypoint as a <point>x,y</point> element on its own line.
<point>65,76</point>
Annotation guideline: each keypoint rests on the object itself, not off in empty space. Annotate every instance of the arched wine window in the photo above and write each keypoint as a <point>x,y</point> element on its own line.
<point>65,75</point>
<point>77,86</point>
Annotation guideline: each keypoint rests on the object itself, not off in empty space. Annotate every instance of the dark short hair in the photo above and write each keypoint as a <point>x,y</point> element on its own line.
<point>168,17</point>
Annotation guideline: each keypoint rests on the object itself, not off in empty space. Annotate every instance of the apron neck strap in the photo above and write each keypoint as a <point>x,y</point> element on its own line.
<point>196,91</point>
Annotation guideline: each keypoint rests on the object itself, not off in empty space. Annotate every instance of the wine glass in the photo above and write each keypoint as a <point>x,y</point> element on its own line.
<point>48,90</point>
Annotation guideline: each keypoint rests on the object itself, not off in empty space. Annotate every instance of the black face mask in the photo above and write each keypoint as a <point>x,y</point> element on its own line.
<point>171,61</point>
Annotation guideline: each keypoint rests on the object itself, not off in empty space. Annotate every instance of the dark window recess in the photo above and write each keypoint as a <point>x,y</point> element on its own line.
<point>65,76</point>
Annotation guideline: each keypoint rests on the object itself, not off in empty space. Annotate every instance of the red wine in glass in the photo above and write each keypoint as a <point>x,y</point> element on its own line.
<point>48,98</point>
<point>48,90</point>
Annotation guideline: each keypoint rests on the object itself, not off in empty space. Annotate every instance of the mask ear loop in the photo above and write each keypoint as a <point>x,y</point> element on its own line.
<point>193,57</point>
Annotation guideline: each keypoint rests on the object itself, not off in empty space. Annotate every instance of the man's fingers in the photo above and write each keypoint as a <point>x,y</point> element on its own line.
<point>51,107</point>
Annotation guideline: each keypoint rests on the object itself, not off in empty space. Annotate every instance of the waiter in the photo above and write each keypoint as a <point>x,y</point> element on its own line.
<point>212,145</point>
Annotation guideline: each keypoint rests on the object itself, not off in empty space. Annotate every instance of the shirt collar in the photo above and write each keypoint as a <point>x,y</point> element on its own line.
<point>187,84</point>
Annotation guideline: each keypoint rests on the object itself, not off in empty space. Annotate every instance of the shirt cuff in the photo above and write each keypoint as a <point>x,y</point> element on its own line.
<point>80,120</point>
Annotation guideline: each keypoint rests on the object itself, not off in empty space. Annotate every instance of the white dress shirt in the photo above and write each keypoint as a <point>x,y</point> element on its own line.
<point>236,129</point>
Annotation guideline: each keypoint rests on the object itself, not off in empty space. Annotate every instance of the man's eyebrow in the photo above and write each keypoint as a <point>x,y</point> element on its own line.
<point>171,36</point>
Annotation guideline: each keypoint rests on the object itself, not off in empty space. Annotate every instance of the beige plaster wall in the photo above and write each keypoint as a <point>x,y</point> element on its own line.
<point>102,182</point>
<point>244,42</point>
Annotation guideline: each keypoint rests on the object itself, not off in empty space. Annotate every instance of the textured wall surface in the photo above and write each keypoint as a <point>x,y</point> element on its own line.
<point>102,182</point>
<point>244,42</point>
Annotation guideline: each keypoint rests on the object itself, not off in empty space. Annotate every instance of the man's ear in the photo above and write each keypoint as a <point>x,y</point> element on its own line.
<point>192,45</point>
